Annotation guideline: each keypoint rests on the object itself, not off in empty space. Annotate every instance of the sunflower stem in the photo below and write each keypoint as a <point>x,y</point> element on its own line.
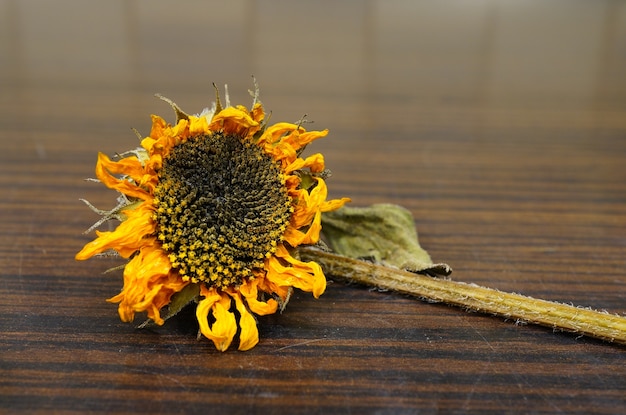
<point>520,308</point>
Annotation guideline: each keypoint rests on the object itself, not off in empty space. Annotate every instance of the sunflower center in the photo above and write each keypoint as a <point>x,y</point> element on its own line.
<point>221,208</point>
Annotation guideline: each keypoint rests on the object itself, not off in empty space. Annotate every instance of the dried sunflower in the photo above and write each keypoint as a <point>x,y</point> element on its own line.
<point>215,205</point>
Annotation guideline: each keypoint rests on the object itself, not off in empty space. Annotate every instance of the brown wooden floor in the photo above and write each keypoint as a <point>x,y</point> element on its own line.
<point>500,124</point>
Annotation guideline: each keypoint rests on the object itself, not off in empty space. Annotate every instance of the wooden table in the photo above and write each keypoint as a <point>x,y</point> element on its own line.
<point>500,125</point>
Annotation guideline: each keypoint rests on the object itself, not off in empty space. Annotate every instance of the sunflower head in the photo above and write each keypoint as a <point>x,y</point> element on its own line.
<point>215,205</point>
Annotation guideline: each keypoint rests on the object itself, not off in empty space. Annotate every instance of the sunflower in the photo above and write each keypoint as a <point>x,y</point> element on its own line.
<point>215,205</point>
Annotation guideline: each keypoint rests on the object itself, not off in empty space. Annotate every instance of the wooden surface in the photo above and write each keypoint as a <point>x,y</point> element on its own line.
<point>500,125</point>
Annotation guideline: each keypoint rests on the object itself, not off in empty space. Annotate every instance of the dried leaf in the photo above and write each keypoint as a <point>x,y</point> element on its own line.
<point>383,233</point>
<point>187,295</point>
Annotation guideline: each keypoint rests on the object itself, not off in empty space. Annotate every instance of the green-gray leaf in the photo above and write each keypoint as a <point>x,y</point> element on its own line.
<point>188,294</point>
<point>384,233</point>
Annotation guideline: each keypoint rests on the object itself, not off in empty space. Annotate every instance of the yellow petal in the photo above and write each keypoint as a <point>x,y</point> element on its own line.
<point>234,121</point>
<point>307,276</point>
<point>198,126</point>
<point>315,162</point>
<point>334,204</point>
<point>129,166</point>
<point>258,113</point>
<point>223,330</point>
<point>251,293</point>
<point>301,138</point>
<point>295,237</point>
<point>269,286</point>
<point>130,235</point>
<point>249,334</point>
<point>148,285</point>
<point>158,127</point>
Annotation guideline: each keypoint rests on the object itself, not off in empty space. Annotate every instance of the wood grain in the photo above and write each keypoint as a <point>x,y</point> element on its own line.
<point>501,127</point>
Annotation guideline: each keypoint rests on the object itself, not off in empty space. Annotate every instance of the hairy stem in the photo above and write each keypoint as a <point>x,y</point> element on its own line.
<point>559,316</point>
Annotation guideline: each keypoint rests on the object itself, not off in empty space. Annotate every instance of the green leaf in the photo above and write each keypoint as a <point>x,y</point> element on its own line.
<point>383,233</point>
<point>190,293</point>
<point>306,180</point>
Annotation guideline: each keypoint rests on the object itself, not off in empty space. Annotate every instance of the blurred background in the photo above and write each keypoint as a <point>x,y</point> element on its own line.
<point>461,51</point>
<point>316,56</point>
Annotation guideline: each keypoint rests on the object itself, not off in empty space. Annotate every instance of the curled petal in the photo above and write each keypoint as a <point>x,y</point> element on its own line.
<point>154,163</point>
<point>283,140</point>
<point>130,235</point>
<point>164,137</point>
<point>271,142</point>
<point>315,162</point>
<point>283,292</point>
<point>303,209</point>
<point>307,276</point>
<point>257,113</point>
<point>223,330</point>
<point>308,203</point>
<point>292,182</point>
<point>251,293</point>
<point>296,237</point>
<point>180,131</point>
<point>274,133</point>
<point>130,167</point>
<point>302,138</point>
<point>198,125</point>
<point>148,285</point>
<point>249,334</point>
<point>158,127</point>
<point>334,204</point>
<point>234,121</point>
<point>307,213</point>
